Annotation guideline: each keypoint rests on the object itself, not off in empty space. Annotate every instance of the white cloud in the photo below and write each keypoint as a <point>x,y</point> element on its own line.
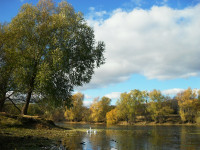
<point>196,91</point>
<point>113,95</point>
<point>160,43</point>
<point>87,103</point>
<point>95,17</point>
<point>173,91</point>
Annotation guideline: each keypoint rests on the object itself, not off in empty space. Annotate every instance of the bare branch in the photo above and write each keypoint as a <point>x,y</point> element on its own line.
<point>14,104</point>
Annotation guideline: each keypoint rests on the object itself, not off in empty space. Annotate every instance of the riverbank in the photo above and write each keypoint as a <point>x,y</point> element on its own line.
<point>30,132</point>
<point>124,123</point>
<point>140,121</point>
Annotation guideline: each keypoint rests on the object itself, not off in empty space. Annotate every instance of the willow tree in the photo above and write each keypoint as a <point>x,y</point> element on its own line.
<point>3,66</point>
<point>56,51</point>
<point>7,59</point>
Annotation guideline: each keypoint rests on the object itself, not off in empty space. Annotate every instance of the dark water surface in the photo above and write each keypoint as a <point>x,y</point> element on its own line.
<point>133,137</point>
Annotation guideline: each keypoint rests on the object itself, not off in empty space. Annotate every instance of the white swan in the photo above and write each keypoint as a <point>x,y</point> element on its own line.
<point>91,131</point>
<point>95,131</point>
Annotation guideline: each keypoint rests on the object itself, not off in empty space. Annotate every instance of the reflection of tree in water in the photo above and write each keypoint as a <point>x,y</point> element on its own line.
<point>183,138</point>
<point>99,141</point>
<point>142,138</point>
<point>165,137</point>
<point>82,140</point>
<point>157,138</point>
<point>74,142</point>
<point>128,139</point>
<point>190,138</point>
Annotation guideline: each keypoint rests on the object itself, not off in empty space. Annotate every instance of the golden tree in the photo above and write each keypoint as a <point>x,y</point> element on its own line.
<point>75,112</point>
<point>189,104</point>
<point>99,109</point>
<point>112,117</point>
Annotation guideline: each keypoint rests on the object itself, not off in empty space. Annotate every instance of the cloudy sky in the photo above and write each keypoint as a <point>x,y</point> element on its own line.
<point>149,44</point>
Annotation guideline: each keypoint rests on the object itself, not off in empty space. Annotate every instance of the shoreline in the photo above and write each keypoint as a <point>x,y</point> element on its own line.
<point>124,123</point>
<point>30,132</point>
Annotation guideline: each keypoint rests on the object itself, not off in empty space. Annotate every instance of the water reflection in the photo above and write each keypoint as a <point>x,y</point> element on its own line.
<point>135,137</point>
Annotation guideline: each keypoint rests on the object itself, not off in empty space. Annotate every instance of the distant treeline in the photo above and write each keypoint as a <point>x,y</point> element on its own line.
<point>148,106</point>
<point>151,106</point>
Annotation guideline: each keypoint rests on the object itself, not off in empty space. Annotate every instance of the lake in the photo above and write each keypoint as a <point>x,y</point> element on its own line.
<point>133,137</point>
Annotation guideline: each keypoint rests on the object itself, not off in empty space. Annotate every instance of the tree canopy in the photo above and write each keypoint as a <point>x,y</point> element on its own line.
<point>131,104</point>
<point>55,50</point>
<point>75,112</point>
<point>99,108</point>
<point>189,104</point>
<point>7,64</point>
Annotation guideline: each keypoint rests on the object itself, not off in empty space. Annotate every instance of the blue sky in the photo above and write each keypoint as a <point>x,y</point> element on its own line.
<point>149,44</point>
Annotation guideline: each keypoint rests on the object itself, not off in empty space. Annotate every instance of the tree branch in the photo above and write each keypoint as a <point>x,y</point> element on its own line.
<point>14,104</point>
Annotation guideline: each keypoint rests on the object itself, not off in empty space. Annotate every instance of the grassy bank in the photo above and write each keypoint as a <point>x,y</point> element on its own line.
<point>26,132</point>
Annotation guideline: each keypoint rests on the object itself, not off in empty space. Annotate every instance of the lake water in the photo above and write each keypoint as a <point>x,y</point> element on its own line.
<point>133,137</point>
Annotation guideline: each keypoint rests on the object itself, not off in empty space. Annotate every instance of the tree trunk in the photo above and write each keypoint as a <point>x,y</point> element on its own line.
<point>2,101</point>
<point>31,88</point>
<point>28,98</point>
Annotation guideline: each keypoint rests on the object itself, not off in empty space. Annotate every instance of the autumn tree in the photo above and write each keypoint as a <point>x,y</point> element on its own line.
<point>122,106</point>
<point>94,109</point>
<point>75,112</point>
<point>131,105</point>
<point>112,116</point>
<point>189,105</point>
<point>99,108</point>
<point>55,51</point>
<point>158,107</point>
<point>86,114</point>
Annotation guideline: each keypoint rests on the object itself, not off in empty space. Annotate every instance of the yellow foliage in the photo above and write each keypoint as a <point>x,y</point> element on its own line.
<point>75,112</point>
<point>158,106</point>
<point>189,105</point>
<point>111,117</point>
<point>99,109</point>
<point>131,105</point>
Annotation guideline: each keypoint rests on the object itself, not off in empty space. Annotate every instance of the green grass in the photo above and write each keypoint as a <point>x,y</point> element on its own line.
<point>5,121</point>
<point>21,138</point>
<point>20,133</point>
